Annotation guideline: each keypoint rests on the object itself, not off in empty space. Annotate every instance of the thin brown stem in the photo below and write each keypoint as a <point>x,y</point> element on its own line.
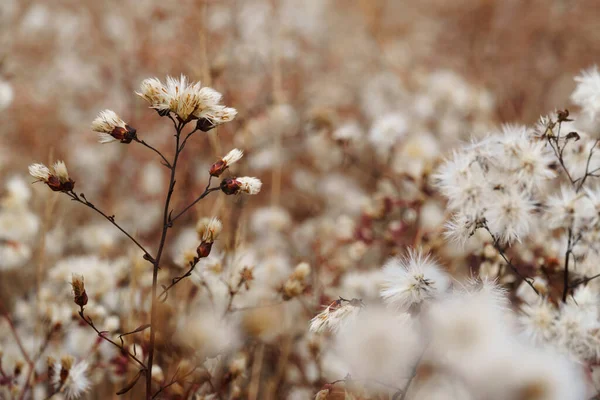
<point>166,224</point>
<point>583,281</point>
<point>587,167</point>
<point>178,279</point>
<point>166,163</point>
<point>36,358</point>
<point>174,381</point>
<point>101,334</point>
<point>186,139</point>
<point>500,250</point>
<point>111,218</point>
<point>206,192</point>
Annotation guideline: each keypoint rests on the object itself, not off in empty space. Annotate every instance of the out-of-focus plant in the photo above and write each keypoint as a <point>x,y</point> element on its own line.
<point>185,105</point>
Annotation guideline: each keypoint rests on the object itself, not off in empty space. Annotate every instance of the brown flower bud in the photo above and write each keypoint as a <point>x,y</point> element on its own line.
<point>204,124</point>
<point>204,249</point>
<point>79,295</point>
<point>218,168</point>
<point>125,135</point>
<point>230,186</point>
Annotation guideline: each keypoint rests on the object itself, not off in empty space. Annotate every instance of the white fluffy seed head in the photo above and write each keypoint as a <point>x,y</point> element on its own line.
<point>249,184</point>
<point>509,214</point>
<point>107,121</point>
<point>209,229</point>
<point>408,281</point>
<point>153,92</point>
<point>335,316</point>
<point>60,170</point>
<point>189,100</point>
<point>587,92</point>
<point>39,172</point>
<point>233,156</point>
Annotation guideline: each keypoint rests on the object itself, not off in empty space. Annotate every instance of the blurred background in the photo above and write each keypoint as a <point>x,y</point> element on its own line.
<point>342,105</point>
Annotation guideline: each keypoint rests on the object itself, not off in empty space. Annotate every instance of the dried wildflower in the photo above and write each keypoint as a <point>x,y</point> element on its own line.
<point>295,284</point>
<point>587,92</point>
<point>244,184</point>
<point>57,177</point>
<point>337,314</point>
<point>111,127</point>
<point>538,319</point>
<point>220,166</point>
<point>412,280</point>
<point>187,100</point>
<point>70,378</point>
<point>209,229</point>
<point>509,215</point>
<point>564,210</point>
<point>79,295</point>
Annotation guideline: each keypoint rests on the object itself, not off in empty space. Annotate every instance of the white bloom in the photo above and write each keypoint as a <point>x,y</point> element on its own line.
<point>187,100</point>
<point>537,320</point>
<point>413,279</point>
<point>462,180</point>
<point>60,170</point>
<point>249,185</point>
<point>530,161</point>
<point>509,214</point>
<point>562,210</point>
<point>107,121</point>
<point>39,171</point>
<point>153,92</point>
<point>460,228</point>
<point>387,131</point>
<point>379,344</point>
<point>75,384</point>
<point>574,329</point>
<point>209,229</point>
<point>233,156</point>
<point>336,315</point>
<point>587,92</point>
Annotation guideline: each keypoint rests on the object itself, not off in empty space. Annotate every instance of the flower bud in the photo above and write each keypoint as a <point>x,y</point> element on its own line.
<point>230,186</point>
<point>220,166</point>
<point>57,177</point>
<point>203,250</point>
<point>79,295</point>
<point>204,124</point>
<point>245,184</point>
<point>111,127</point>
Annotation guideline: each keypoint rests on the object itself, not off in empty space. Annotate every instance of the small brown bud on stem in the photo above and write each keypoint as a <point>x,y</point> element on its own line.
<point>79,295</point>
<point>203,250</point>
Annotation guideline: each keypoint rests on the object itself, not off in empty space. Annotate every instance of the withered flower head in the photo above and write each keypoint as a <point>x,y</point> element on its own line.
<point>111,127</point>
<point>220,166</point>
<point>209,229</point>
<point>188,100</point>
<point>244,184</point>
<point>57,177</point>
